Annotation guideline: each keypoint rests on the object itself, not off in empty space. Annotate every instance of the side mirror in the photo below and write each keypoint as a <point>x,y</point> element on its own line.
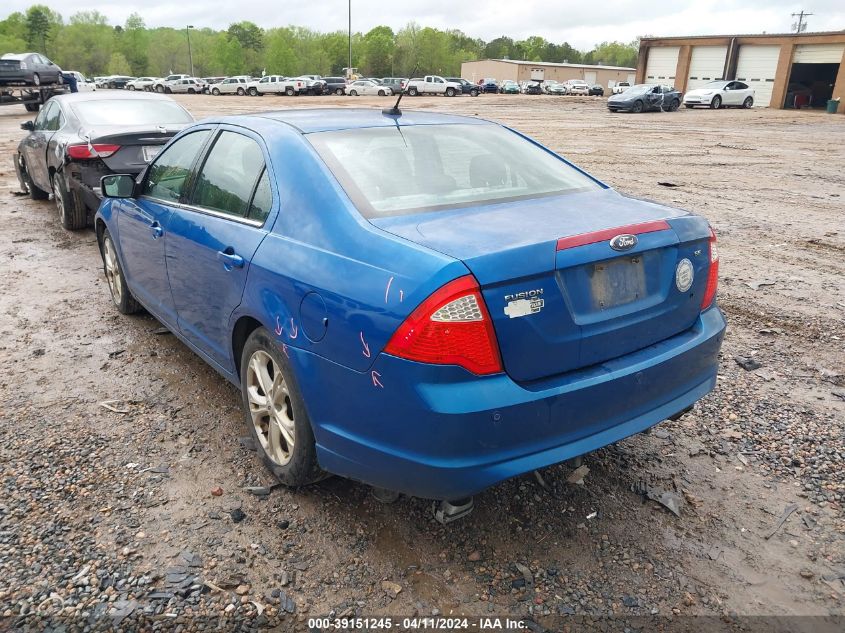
<point>118,186</point>
<point>28,125</point>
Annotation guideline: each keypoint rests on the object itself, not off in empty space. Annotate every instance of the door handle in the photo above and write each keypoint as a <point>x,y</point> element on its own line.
<point>230,259</point>
<point>156,230</point>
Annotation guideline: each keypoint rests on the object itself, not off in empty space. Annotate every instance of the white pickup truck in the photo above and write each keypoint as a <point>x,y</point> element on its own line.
<point>433,85</point>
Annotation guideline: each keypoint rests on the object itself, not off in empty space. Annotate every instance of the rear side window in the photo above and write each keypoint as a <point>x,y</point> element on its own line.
<point>229,175</point>
<point>169,173</point>
<point>262,200</point>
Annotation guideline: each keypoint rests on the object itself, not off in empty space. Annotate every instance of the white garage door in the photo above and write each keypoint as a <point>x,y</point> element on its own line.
<point>818,54</point>
<point>756,66</point>
<point>661,65</point>
<point>706,64</point>
<point>590,77</point>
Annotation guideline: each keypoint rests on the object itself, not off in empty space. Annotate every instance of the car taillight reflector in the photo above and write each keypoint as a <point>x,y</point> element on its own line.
<point>451,327</point>
<point>712,273</point>
<point>608,234</point>
<point>82,152</point>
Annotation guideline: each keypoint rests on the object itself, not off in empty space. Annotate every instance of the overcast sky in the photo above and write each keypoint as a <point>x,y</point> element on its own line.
<point>582,24</point>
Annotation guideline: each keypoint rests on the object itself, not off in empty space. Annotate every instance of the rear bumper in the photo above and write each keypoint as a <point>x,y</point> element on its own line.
<point>442,433</point>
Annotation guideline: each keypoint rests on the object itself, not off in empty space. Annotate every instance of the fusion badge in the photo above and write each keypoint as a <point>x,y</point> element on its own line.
<point>522,304</point>
<point>684,274</point>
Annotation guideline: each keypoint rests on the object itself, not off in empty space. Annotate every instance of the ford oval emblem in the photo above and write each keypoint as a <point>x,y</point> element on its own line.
<point>624,242</point>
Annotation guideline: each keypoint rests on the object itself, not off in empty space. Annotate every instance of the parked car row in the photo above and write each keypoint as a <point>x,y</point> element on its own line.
<point>715,95</point>
<point>366,379</point>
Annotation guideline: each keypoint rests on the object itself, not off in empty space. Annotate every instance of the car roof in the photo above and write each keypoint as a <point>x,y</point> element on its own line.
<point>16,55</point>
<point>328,119</point>
<point>110,95</point>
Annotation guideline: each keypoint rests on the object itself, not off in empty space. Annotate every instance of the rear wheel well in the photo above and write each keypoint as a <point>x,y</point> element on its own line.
<point>243,328</point>
<point>100,228</point>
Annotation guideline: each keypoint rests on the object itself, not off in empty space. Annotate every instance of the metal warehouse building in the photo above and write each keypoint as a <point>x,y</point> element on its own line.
<point>786,70</point>
<point>500,69</point>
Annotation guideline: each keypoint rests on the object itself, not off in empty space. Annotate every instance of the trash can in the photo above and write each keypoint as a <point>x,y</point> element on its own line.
<point>832,106</point>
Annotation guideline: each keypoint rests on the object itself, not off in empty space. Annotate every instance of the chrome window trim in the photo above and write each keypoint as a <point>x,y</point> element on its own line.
<point>204,211</point>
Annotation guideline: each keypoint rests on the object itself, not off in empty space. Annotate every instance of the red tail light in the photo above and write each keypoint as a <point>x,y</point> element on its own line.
<point>85,152</point>
<point>712,274</point>
<point>451,327</point>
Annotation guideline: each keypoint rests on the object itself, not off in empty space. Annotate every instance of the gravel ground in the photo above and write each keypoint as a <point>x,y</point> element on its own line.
<point>126,473</point>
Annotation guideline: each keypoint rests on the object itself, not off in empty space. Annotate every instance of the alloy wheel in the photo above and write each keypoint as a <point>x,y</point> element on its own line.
<point>57,196</point>
<point>112,269</point>
<point>270,407</point>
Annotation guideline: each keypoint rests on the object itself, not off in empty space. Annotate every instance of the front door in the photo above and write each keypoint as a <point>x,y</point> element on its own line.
<point>212,238</point>
<point>142,223</point>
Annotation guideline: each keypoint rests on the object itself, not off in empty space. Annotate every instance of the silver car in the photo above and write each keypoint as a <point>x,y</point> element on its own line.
<point>368,87</point>
<point>190,86</point>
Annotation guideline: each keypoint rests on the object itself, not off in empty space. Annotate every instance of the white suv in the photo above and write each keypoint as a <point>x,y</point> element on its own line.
<point>230,86</point>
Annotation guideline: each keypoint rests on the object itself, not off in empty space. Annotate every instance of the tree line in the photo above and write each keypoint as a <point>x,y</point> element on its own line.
<point>88,43</point>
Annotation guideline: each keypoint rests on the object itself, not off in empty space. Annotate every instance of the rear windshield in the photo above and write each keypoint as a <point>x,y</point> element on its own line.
<point>131,112</point>
<point>414,169</point>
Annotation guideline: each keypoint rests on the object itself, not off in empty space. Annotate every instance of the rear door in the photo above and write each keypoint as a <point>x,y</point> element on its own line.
<point>211,239</point>
<point>35,145</point>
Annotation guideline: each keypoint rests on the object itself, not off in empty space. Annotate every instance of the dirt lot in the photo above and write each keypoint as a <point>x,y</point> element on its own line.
<point>114,434</point>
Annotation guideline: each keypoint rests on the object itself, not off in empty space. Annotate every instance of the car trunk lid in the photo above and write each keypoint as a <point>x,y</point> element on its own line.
<point>559,295</point>
<point>138,144</point>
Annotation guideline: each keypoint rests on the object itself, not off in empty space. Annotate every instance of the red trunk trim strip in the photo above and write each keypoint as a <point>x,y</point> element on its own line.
<point>608,234</point>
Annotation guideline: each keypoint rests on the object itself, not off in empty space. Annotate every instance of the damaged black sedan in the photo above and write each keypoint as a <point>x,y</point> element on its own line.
<point>645,97</point>
<point>78,138</point>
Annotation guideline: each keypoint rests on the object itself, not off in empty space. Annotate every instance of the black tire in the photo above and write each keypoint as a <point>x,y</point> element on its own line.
<point>130,87</point>
<point>36,79</point>
<point>290,91</point>
<point>302,467</point>
<point>412,92</point>
<point>168,91</point>
<point>122,299</point>
<point>749,101</point>
<point>339,91</point>
<point>353,93</point>
<point>253,92</point>
<point>32,107</point>
<point>673,106</point>
<point>159,89</point>
<point>35,192</point>
<point>474,93</point>
<point>72,211</point>
<point>689,107</point>
<point>716,103</point>
<point>450,92</point>
<point>191,91</point>
<point>382,93</point>
<point>637,107</point>
<point>215,92</point>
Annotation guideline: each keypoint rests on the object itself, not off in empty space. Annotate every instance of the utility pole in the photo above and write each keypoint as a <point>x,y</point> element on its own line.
<point>800,26</point>
<point>190,56</point>
<point>349,69</point>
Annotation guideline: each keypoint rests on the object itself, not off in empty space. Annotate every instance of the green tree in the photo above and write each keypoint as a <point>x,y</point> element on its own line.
<point>42,23</point>
<point>13,33</point>
<point>134,41</point>
<point>118,65</point>
<point>614,54</point>
<point>378,45</point>
<point>86,44</point>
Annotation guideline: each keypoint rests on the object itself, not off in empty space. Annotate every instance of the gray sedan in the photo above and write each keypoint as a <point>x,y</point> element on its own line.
<point>28,68</point>
<point>645,97</point>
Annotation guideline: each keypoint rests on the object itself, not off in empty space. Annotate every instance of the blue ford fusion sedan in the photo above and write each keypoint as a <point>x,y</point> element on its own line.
<point>427,303</point>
